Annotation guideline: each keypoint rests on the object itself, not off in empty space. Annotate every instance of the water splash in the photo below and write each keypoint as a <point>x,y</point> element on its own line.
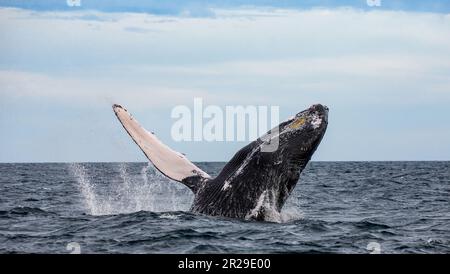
<point>131,191</point>
<point>290,214</point>
<point>267,202</point>
<point>146,189</point>
<point>287,214</point>
<point>85,186</point>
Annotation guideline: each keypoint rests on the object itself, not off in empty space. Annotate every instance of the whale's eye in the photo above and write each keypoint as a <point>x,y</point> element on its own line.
<point>297,123</point>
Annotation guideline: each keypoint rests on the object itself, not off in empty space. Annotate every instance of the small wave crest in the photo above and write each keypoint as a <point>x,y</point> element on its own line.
<point>368,224</point>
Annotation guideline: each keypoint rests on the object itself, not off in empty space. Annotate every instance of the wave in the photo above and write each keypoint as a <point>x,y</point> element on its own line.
<point>368,225</point>
<point>25,211</point>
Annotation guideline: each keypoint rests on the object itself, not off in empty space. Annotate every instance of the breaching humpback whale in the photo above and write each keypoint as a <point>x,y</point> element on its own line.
<point>255,183</point>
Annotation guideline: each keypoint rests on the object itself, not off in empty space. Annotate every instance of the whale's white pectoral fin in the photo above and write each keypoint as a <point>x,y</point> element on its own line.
<point>171,163</point>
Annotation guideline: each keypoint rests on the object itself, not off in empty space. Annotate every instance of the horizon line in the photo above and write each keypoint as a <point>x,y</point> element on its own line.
<point>317,161</point>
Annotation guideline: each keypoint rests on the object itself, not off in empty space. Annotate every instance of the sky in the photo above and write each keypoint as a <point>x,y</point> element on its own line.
<point>383,71</point>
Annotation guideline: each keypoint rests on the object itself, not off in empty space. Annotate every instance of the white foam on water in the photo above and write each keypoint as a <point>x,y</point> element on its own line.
<point>169,216</point>
<point>267,202</point>
<point>147,190</point>
<point>290,213</point>
<point>286,215</point>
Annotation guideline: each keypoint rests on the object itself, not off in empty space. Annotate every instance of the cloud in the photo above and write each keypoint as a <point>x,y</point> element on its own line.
<point>31,39</point>
<point>384,74</point>
<point>35,86</point>
<point>388,57</point>
<point>30,86</point>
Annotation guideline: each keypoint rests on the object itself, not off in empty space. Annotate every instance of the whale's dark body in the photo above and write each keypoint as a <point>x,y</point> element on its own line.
<point>256,182</point>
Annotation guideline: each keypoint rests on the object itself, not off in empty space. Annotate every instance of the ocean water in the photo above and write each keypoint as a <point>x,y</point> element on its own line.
<point>337,207</point>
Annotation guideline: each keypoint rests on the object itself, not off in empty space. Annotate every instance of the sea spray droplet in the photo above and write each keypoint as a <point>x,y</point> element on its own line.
<point>143,190</point>
<point>85,187</point>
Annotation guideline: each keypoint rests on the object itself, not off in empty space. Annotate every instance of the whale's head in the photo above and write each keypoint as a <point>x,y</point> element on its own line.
<point>288,148</point>
<point>293,142</point>
<point>300,136</point>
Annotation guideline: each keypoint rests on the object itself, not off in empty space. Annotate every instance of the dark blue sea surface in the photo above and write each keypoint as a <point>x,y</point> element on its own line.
<point>337,207</point>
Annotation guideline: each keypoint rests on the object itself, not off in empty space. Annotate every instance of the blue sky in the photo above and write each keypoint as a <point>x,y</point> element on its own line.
<point>383,71</point>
